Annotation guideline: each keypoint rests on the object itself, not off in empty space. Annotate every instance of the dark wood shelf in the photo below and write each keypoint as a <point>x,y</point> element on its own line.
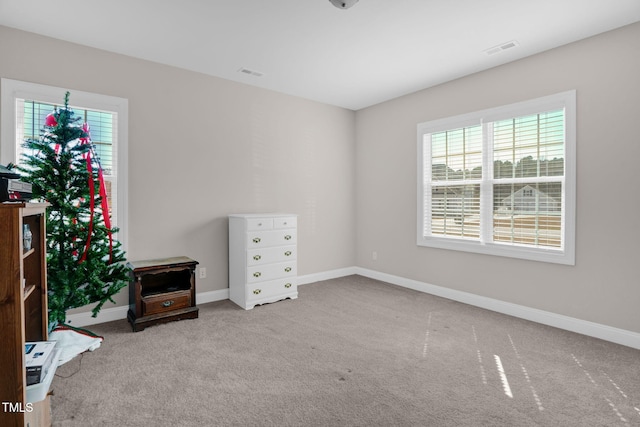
<point>29,252</point>
<point>29,290</point>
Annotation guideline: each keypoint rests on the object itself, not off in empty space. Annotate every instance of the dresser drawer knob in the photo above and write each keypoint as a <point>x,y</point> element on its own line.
<point>256,240</point>
<point>287,285</point>
<point>287,237</point>
<point>257,274</point>
<point>257,257</point>
<point>288,269</point>
<point>257,291</point>
<point>168,303</point>
<point>287,253</point>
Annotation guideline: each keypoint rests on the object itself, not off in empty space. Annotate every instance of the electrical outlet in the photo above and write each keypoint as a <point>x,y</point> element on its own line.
<point>374,255</point>
<point>203,272</point>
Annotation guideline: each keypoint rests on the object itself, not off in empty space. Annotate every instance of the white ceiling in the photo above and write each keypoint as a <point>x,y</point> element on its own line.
<point>375,51</point>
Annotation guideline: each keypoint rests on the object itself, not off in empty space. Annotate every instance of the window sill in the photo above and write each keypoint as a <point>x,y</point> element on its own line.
<point>557,256</point>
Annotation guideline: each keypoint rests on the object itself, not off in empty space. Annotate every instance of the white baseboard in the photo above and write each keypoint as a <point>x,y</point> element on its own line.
<point>584,327</point>
<point>326,275</point>
<point>108,314</point>
<point>212,296</point>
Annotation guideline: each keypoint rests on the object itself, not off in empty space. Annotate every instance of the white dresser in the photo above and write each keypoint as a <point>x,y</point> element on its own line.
<point>262,258</point>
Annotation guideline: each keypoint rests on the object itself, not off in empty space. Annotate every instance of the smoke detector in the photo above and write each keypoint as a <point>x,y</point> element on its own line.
<point>343,4</point>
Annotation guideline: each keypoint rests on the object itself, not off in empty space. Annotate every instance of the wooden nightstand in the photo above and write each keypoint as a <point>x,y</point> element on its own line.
<point>161,290</point>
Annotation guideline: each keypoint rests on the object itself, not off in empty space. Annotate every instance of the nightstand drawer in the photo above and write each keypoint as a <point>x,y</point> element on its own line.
<point>166,302</point>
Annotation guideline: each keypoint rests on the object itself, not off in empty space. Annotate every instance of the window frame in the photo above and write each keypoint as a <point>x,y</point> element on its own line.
<point>485,118</point>
<point>11,90</point>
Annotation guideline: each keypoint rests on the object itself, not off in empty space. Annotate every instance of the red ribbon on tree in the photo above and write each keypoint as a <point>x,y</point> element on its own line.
<point>102,191</point>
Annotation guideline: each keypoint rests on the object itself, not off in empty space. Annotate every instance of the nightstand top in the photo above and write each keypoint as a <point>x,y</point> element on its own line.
<point>161,262</point>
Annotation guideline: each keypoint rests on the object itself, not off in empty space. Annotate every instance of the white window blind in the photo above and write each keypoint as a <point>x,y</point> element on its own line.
<point>501,181</point>
<point>528,162</point>
<point>456,173</point>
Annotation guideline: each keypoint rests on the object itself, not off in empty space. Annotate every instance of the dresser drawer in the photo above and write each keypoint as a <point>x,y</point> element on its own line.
<point>285,222</point>
<point>255,224</point>
<point>273,289</point>
<point>166,302</point>
<point>271,255</point>
<point>261,273</point>
<point>263,239</point>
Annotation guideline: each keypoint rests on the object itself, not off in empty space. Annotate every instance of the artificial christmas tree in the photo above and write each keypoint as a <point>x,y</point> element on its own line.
<point>85,265</point>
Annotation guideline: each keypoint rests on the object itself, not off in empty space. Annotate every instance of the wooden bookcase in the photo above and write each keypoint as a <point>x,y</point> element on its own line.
<point>23,309</point>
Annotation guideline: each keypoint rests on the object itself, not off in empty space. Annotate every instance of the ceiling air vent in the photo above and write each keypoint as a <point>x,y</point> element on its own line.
<point>501,47</point>
<point>250,72</point>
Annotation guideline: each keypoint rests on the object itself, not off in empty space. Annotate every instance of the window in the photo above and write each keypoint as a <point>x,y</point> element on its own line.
<point>24,107</point>
<point>501,181</point>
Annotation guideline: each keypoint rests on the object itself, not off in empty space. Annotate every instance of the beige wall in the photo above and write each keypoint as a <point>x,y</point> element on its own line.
<point>201,148</point>
<point>604,285</point>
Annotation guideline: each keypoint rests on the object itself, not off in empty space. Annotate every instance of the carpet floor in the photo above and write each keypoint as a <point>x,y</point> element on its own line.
<point>348,352</point>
